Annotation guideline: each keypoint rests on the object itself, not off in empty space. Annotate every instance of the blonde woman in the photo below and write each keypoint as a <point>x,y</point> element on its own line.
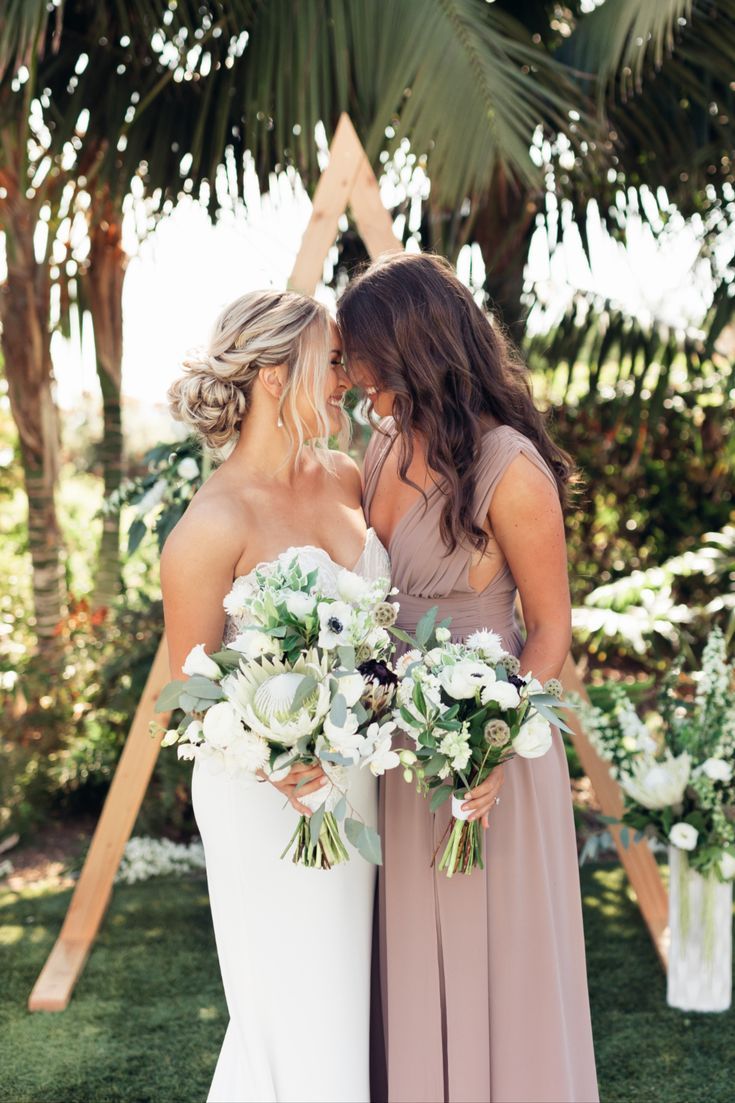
<point>293,943</point>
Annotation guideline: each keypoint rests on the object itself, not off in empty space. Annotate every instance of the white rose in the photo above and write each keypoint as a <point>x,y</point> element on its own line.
<point>443,635</point>
<point>222,725</point>
<point>655,784</point>
<point>683,836</point>
<point>199,662</point>
<point>717,769</point>
<point>254,644</point>
<point>300,605</point>
<point>727,866</point>
<point>504,694</point>
<point>352,687</point>
<point>188,468</point>
<point>534,738</point>
<point>463,680</point>
<point>351,587</point>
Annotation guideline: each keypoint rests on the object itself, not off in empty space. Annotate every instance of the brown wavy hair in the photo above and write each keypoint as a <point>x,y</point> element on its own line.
<point>417,329</point>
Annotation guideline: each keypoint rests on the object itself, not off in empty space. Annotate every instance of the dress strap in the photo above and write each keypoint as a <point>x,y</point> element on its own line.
<point>500,446</point>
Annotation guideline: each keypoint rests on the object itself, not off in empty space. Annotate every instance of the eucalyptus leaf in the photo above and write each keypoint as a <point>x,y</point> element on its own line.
<point>353,830</point>
<point>315,824</point>
<point>552,717</point>
<point>229,659</point>
<point>425,626</point>
<point>189,703</point>
<point>340,809</point>
<point>401,635</point>
<point>347,657</point>
<point>168,698</point>
<point>199,686</point>
<point>439,796</point>
<point>337,759</point>
<point>306,688</point>
<point>369,845</point>
<point>338,711</point>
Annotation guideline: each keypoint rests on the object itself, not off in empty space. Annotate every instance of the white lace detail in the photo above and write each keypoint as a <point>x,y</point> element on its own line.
<point>372,565</point>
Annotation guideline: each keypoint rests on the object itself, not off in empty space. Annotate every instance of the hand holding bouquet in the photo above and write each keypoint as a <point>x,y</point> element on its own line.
<point>467,710</point>
<point>306,680</point>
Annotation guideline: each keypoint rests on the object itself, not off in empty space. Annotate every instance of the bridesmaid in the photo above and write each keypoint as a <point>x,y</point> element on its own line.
<point>484,988</point>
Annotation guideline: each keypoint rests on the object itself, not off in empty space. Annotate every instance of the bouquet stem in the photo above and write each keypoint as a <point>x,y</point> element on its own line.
<point>464,848</point>
<point>328,851</point>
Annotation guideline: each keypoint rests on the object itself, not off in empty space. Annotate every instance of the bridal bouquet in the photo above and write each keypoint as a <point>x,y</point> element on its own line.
<point>678,775</point>
<point>306,680</point>
<point>467,711</point>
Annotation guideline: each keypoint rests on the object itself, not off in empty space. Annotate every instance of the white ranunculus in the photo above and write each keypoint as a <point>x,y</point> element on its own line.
<point>683,836</point>
<point>504,694</point>
<point>199,662</point>
<point>717,769</point>
<point>727,866</point>
<point>300,605</point>
<point>464,679</point>
<point>352,687</point>
<point>534,738</point>
<point>488,643</point>
<point>657,784</point>
<point>253,644</point>
<point>188,468</point>
<point>222,725</point>
<point>335,621</point>
<point>352,587</point>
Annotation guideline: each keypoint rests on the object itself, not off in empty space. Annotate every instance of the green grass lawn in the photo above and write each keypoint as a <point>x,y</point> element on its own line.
<point>148,1015</point>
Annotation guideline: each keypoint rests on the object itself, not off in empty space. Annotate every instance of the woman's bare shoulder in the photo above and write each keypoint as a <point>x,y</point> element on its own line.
<point>347,472</point>
<point>212,532</point>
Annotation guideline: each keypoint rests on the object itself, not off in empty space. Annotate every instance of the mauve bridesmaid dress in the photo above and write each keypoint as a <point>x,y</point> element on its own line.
<point>483,980</point>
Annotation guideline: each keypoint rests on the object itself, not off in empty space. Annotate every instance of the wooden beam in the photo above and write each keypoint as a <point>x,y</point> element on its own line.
<point>636,858</point>
<point>52,991</point>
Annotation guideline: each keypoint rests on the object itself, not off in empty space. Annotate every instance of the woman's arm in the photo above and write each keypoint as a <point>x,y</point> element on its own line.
<point>527,522</point>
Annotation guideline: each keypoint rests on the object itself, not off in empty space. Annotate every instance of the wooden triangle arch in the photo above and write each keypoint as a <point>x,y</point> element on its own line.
<point>348,182</point>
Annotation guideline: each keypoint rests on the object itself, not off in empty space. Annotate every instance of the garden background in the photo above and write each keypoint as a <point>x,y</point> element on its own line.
<point>157,159</point>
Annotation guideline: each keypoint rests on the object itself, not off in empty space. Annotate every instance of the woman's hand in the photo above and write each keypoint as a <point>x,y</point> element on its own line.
<point>485,796</point>
<point>313,778</point>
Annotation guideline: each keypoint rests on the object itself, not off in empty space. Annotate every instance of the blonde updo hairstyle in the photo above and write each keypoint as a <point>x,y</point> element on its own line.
<point>259,329</point>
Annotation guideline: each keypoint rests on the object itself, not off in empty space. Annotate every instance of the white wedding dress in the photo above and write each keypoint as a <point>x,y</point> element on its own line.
<point>294,944</point>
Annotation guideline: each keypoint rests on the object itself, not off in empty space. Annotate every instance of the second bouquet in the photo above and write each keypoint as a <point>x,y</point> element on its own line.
<point>306,679</point>
<point>467,710</point>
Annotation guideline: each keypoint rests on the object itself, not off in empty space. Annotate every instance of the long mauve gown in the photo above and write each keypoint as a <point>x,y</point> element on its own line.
<point>483,980</point>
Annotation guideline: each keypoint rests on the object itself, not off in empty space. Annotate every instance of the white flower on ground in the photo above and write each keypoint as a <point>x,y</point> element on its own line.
<point>300,605</point>
<point>352,687</point>
<point>253,644</point>
<point>222,725</point>
<point>335,621</point>
<point>199,662</point>
<point>443,635</point>
<point>188,468</point>
<point>488,643</point>
<point>503,694</point>
<point>352,587</point>
<point>382,757</point>
<point>683,836</point>
<point>456,748</point>
<point>717,769</point>
<point>463,680</point>
<point>727,866</point>
<point>409,657</point>
<point>534,738</point>
<point>655,784</point>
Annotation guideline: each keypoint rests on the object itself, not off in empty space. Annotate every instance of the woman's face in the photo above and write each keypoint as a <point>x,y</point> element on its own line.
<point>336,384</point>
<point>363,377</point>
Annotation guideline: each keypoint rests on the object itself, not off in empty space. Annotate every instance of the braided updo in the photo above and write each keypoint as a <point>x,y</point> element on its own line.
<point>258,329</point>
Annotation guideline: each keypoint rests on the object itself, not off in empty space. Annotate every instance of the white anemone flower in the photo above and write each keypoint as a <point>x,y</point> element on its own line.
<point>335,622</point>
<point>464,679</point>
<point>658,784</point>
<point>264,694</point>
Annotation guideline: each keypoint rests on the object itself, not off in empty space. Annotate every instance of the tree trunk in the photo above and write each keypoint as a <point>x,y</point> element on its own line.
<point>24,309</point>
<point>103,279</point>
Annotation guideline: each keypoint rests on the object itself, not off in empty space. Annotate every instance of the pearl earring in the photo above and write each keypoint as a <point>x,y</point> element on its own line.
<point>279,422</point>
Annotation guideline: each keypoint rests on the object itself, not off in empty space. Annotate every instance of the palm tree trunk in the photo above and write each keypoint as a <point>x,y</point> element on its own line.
<point>24,310</point>
<point>104,283</point>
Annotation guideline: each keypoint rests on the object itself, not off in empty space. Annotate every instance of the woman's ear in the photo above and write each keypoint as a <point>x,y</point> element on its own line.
<point>273,378</point>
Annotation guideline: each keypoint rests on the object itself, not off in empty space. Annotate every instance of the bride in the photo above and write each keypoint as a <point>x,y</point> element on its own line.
<point>293,943</point>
